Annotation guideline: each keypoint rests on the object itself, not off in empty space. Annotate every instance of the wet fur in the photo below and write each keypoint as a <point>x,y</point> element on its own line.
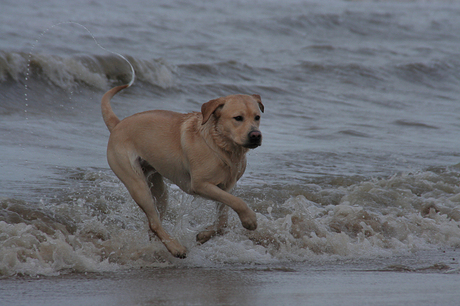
<point>204,153</point>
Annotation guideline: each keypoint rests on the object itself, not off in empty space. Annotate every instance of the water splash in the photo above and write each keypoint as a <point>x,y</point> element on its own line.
<point>28,72</point>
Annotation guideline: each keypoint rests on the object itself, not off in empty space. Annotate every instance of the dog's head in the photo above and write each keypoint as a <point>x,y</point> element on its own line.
<point>237,118</point>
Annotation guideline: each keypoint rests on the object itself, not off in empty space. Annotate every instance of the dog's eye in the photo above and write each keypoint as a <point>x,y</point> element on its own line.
<point>257,118</point>
<point>238,118</point>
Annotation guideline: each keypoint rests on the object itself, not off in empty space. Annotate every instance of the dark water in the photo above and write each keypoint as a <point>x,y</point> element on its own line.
<point>361,131</point>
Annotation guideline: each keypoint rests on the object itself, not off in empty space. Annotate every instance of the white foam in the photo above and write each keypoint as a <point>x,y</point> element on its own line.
<point>112,233</point>
<point>67,73</point>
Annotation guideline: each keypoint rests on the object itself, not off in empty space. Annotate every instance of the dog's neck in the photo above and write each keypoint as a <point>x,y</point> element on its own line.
<point>220,143</point>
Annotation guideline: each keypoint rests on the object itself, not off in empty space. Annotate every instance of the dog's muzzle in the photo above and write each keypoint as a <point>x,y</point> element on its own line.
<point>255,139</point>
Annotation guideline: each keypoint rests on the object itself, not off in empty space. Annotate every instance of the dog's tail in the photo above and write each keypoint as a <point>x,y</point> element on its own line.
<point>110,119</point>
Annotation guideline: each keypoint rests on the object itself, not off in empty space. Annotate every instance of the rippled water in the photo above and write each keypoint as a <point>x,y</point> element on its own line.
<point>361,131</point>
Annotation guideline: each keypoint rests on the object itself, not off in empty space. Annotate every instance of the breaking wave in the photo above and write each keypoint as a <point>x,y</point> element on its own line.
<point>94,226</point>
<point>93,71</point>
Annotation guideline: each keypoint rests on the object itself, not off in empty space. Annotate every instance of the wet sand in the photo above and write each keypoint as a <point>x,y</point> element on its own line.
<point>412,281</point>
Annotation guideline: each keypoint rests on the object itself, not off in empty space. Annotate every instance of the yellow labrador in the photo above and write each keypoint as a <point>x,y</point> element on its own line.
<point>202,153</point>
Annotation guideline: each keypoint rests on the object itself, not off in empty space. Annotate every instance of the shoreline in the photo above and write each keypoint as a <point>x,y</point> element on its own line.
<point>424,279</point>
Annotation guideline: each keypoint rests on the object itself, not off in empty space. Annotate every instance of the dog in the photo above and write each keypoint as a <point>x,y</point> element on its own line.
<point>203,153</point>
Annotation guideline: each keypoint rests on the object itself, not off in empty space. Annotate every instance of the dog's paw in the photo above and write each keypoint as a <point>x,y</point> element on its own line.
<point>249,220</point>
<point>180,255</point>
<point>204,236</point>
<point>176,249</point>
<point>209,232</point>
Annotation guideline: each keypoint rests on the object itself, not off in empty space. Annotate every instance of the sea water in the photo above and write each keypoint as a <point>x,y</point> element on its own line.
<point>361,134</point>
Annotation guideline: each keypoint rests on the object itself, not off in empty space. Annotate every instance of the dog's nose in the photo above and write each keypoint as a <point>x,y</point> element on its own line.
<point>255,136</point>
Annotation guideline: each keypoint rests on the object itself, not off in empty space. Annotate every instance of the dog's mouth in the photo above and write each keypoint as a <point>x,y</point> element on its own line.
<point>252,145</point>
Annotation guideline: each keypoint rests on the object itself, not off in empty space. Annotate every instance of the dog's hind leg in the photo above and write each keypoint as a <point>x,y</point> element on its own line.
<point>129,171</point>
<point>217,228</point>
<point>157,187</point>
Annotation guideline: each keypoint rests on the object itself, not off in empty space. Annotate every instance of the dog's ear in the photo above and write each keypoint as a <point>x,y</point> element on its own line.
<point>208,108</point>
<point>259,100</point>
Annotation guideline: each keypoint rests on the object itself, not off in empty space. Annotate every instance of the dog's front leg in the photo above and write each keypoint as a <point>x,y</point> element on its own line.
<point>210,191</point>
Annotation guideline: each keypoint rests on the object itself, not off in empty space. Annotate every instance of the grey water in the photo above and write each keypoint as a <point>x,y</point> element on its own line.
<point>360,158</point>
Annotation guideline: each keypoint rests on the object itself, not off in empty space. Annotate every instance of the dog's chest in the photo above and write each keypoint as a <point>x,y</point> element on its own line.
<point>232,173</point>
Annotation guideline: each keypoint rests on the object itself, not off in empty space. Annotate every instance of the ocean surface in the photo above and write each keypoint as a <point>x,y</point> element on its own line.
<point>360,161</point>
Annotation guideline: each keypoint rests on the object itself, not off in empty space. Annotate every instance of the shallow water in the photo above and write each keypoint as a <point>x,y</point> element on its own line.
<point>360,156</point>
<point>408,282</point>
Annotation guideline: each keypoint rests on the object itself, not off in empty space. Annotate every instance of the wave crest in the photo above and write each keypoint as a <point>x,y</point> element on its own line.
<point>88,71</point>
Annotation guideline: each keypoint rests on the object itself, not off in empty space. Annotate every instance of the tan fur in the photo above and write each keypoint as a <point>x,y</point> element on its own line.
<point>202,153</point>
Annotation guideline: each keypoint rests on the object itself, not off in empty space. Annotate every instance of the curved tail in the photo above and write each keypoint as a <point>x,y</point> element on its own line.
<point>110,119</point>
